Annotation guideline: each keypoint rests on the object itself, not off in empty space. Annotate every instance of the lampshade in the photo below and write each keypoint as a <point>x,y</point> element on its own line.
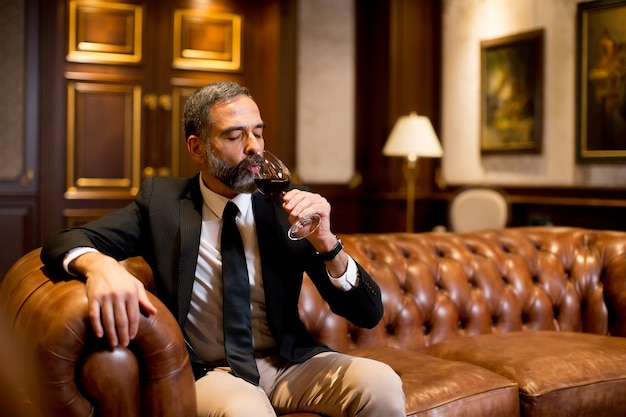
<point>413,137</point>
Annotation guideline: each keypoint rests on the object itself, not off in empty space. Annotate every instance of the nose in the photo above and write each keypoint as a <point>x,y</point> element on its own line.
<point>254,144</point>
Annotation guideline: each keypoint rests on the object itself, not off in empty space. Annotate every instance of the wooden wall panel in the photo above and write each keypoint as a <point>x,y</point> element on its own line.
<point>207,40</point>
<point>18,229</point>
<point>103,140</point>
<point>104,32</point>
<point>78,217</point>
<point>18,103</point>
<point>19,129</point>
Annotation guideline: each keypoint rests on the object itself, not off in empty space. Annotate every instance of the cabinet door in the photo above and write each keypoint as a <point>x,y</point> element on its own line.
<point>126,69</point>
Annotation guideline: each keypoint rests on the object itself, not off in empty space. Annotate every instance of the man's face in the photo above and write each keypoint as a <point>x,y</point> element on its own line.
<point>238,178</point>
<point>236,137</point>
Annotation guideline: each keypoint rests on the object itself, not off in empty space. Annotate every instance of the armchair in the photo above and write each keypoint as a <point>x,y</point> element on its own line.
<point>79,375</point>
<point>477,208</point>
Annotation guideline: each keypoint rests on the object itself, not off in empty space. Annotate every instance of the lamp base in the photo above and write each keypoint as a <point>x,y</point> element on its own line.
<point>410,169</point>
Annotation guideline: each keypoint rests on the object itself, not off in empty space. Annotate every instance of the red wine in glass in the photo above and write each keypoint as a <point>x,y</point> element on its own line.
<point>273,187</point>
<point>273,179</point>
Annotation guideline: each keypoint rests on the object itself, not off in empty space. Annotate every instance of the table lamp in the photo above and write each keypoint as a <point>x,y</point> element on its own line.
<point>412,137</point>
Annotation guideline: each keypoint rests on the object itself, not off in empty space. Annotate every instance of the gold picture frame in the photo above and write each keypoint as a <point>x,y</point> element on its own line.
<point>601,82</point>
<point>512,93</point>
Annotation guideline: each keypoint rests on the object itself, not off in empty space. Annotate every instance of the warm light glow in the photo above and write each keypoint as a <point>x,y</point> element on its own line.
<point>413,137</point>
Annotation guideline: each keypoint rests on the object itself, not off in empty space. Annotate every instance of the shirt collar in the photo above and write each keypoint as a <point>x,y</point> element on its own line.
<point>216,202</point>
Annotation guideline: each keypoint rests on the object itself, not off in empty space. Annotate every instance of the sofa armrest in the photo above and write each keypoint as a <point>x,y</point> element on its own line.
<point>78,372</point>
<point>615,295</point>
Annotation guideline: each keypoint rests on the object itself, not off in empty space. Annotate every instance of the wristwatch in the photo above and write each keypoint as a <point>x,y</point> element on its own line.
<point>330,255</point>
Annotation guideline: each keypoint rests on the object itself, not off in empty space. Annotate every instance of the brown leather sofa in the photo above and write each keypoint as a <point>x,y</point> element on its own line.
<point>506,322</point>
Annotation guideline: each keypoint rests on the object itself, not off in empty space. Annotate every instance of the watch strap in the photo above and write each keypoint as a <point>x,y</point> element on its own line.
<point>331,254</point>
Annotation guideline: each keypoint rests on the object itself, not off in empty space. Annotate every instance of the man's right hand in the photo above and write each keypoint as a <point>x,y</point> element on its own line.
<point>115,297</point>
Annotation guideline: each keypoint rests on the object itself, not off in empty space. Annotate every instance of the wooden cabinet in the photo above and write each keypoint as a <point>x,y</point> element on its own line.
<point>120,72</point>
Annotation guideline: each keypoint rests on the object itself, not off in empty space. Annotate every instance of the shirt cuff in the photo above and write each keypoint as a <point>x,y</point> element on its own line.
<point>73,254</point>
<point>349,279</point>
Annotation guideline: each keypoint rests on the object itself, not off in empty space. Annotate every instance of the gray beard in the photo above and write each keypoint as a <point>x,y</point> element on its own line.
<point>237,178</point>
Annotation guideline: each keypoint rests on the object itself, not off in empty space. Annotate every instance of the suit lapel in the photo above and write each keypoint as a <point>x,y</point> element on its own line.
<point>190,226</point>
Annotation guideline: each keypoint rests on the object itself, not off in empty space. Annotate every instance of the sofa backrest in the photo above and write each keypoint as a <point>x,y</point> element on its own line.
<point>439,286</point>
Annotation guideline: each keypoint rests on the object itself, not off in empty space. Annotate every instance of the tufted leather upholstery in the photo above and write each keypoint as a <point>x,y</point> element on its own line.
<point>78,374</point>
<point>501,322</point>
<point>440,286</point>
<point>535,305</point>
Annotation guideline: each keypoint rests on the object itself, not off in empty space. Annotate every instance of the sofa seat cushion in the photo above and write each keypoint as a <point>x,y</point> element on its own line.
<point>436,387</point>
<point>558,373</point>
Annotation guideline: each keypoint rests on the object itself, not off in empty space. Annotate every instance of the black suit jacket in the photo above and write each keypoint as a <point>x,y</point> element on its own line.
<point>163,225</point>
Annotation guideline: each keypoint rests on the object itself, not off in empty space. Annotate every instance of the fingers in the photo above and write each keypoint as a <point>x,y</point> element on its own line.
<point>95,318</point>
<point>115,310</point>
<point>132,324</point>
<point>124,311</point>
<point>302,203</point>
<point>113,317</point>
<point>143,304</point>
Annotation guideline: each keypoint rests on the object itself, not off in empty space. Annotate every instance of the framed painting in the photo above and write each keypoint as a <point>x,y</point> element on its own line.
<point>601,81</point>
<point>512,93</point>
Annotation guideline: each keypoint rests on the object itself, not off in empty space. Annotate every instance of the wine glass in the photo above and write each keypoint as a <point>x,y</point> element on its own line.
<point>273,178</point>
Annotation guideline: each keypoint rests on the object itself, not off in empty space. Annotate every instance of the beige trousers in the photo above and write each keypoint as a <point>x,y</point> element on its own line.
<point>330,383</point>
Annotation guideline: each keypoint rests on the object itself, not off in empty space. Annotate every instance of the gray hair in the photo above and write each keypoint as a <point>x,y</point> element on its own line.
<point>198,106</point>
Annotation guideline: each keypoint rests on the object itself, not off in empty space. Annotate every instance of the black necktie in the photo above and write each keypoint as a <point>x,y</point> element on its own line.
<point>236,287</point>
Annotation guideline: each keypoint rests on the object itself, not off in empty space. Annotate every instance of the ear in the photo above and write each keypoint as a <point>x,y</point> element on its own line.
<point>195,146</point>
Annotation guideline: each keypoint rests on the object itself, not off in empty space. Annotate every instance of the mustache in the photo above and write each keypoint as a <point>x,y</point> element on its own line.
<point>254,159</point>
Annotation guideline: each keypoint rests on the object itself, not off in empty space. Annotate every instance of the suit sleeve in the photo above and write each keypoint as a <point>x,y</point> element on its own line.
<point>362,305</point>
